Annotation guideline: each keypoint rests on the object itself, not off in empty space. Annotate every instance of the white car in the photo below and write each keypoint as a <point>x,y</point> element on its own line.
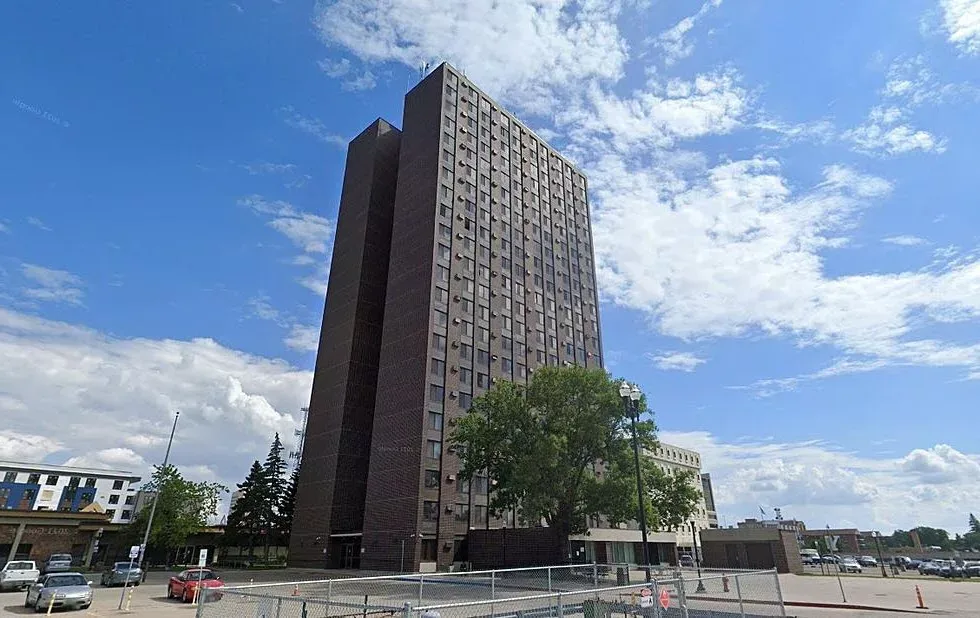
<point>18,575</point>
<point>849,565</point>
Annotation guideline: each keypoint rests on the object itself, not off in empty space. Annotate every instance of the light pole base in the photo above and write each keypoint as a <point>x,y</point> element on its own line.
<point>701,587</point>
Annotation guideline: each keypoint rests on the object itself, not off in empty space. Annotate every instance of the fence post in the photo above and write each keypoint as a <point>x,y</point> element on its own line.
<point>779,593</point>
<point>549,579</point>
<point>595,576</point>
<point>329,593</point>
<point>656,599</point>
<point>421,579</point>
<point>561,610</point>
<point>278,607</point>
<point>682,597</point>
<point>407,610</point>
<point>738,590</point>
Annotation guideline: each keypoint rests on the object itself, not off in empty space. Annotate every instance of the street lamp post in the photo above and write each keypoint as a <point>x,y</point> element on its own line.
<point>697,558</point>
<point>881,559</point>
<point>402,568</point>
<point>631,402</point>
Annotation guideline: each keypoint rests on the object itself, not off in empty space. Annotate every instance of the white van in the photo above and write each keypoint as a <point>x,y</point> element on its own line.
<point>810,556</point>
<point>18,575</point>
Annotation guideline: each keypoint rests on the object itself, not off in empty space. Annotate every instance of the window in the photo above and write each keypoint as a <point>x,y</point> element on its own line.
<point>444,252</point>
<point>484,335</point>
<point>483,358</point>
<point>53,480</point>
<point>111,513</point>
<point>466,376</point>
<point>4,496</point>
<point>479,515</point>
<point>445,231</point>
<point>90,482</point>
<point>480,484</point>
<point>431,479</point>
<point>126,515</point>
<point>439,343</point>
<point>9,477</point>
<point>442,274</point>
<point>114,499</point>
<point>442,319</point>
<point>509,519</point>
<point>465,401</point>
<point>462,513</point>
<point>438,367</point>
<point>507,366</point>
<point>430,512</point>
<point>74,481</point>
<point>117,485</point>
<point>482,380</point>
<point>435,421</point>
<point>442,296</point>
<point>465,352</point>
<point>433,449</point>
<point>430,548</point>
<point>436,393</point>
<point>467,328</point>
<point>130,500</point>
<point>33,479</point>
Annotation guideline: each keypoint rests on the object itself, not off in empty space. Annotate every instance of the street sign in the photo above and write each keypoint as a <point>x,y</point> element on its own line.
<point>664,598</point>
<point>134,552</point>
<point>646,598</point>
<point>202,558</point>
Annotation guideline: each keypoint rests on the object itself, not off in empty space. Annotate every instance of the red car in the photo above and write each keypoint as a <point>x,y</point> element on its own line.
<point>183,585</point>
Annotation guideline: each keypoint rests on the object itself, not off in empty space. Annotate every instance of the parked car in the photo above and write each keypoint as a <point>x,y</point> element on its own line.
<point>120,573</point>
<point>830,559</point>
<point>867,561</point>
<point>929,568</point>
<point>849,565</point>
<point>686,560</point>
<point>971,569</point>
<point>183,585</point>
<point>59,591</point>
<point>58,563</point>
<point>913,565</point>
<point>18,574</point>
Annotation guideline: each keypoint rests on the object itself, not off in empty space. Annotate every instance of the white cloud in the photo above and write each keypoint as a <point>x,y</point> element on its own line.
<point>905,240</point>
<point>884,133</point>
<point>52,285</point>
<point>303,338</point>
<point>519,49</point>
<point>961,18</point>
<point>99,400</point>
<point>311,233</point>
<point>825,485</point>
<point>264,167</point>
<point>312,126</point>
<point>672,41</point>
<point>845,366</point>
<point>334,68</point>
<point>4,229</point>
<point>364,81</point>
<point>676,361</point>
<point>38,224</point>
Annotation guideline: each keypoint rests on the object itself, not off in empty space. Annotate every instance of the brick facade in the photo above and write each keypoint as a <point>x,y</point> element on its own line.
<point>751,548</point>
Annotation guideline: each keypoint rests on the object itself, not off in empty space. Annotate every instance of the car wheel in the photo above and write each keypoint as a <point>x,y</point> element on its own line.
<point>184,597</point>
<point>27,601</point>
<point>170,591</point>
<point>37,605</point>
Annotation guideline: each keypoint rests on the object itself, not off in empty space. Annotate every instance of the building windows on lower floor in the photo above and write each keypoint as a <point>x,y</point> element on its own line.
<point>509,519</point>
<point>130,499</point>
<point>479,515</point>
<point>480,484</point>
<point>430,510</point>
<point>114,499</point>
<point>4,496</point>
<point>33,479</point>
<point>430,548</point>
<point>435,421</point>
<point>51,480</point>
<point>110,513</point>
<point>126,515</point>
<point>433,449</point>
<point>431,479</point>
<point>462,513</point>
<point>9,477</point>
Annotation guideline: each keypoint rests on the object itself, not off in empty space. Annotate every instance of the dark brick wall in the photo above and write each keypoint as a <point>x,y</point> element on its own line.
<point>337,448</point>
<point>513,548</point>
<point>393,509</point>
<point>761,550</point>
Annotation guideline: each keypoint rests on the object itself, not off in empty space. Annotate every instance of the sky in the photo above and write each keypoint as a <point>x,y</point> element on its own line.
<point>784,203</point>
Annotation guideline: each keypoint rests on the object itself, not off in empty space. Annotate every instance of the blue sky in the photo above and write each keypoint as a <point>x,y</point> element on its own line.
<point>783,194</point>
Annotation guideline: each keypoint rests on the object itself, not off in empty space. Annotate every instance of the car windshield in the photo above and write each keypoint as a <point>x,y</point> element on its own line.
<point>65,580</point>
<point>201,575</point>
<point>60,557</point>
<point>20,566</point>
<point>122,565</point>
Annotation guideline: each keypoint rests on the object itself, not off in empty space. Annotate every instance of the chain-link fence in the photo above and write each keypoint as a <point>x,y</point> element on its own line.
<point>593,591</point>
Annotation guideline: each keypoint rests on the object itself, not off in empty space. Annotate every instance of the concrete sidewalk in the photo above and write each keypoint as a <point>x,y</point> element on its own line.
<point>957,598</point>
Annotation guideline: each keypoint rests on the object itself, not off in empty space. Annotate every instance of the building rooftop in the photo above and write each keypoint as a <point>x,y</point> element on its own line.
<point>22,466</point>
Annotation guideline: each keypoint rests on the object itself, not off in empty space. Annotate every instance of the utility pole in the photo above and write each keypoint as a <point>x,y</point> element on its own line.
<point>153,507</point>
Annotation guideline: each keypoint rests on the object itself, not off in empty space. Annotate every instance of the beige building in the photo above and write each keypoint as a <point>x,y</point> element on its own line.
<point>604,544</point>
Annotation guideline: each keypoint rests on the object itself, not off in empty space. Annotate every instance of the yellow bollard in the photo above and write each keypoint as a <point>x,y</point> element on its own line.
<point>50,605</point>
<point>129,598</point>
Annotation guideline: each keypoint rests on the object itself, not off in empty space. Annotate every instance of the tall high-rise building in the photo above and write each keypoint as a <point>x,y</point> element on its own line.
<point>463,254</point>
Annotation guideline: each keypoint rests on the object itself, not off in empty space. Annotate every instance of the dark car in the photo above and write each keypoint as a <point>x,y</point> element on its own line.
<point>686,560</point>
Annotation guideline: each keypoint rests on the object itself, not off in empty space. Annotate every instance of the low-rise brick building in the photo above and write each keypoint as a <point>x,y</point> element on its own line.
<point>751,548</point>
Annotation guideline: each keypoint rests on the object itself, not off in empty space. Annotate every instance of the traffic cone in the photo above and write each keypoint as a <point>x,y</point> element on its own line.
<point>918,596</point>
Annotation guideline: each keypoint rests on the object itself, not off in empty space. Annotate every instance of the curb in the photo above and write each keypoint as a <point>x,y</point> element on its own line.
<point>872,608</point>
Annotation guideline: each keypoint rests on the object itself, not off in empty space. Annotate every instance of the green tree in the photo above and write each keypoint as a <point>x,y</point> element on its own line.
<point>246,519</point>
<point>974,524</point>
<point>289,506</point>
<point>560,451</point>
<point>183,508</point>
<point>274,492</point>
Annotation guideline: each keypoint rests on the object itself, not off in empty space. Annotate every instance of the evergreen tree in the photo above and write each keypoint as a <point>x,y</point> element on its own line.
<point>288,506</point>
<point>247,517</point>
<point>274,493</point>
<point>974,524</point>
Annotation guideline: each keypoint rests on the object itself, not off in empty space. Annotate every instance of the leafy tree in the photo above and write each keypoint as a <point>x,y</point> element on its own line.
<point>974,524</point>
<point>246,519</point>
<point>933,536</point>
<point>560,450</point>
<point>183,508</point>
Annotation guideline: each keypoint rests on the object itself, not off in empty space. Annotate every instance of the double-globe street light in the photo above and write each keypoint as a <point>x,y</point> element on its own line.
<point>631,402</point>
